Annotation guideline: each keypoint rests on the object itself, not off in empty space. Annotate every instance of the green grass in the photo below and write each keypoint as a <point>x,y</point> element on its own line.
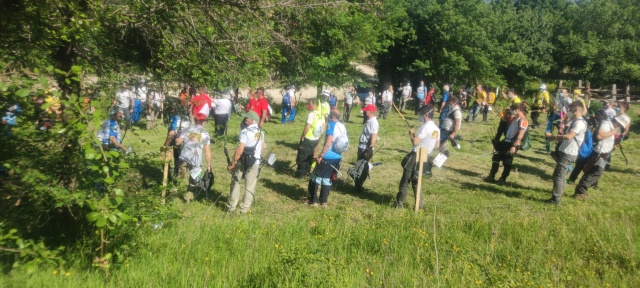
<point>471,233</point>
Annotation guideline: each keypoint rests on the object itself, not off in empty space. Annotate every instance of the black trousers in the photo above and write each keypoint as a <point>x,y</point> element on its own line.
<point>365,172</point>
<point>221,123</point>
<point>304,159</point>
<point>502,155</point>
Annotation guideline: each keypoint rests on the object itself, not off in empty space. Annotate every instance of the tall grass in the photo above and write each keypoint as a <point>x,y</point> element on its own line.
<point>470,234</point>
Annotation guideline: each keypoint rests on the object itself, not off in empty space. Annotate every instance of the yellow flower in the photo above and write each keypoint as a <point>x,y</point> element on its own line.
<point>55,272</point>
<point>67,274</point>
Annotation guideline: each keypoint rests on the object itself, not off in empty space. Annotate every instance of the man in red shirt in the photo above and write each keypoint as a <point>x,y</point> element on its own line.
<point>201,103</point>
<point>261,106</point>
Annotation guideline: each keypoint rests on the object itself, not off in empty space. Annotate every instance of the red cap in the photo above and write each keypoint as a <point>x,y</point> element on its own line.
<point>369,107</point>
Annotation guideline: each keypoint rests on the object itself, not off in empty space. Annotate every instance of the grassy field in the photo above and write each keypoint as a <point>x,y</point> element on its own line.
<point>470,234</point>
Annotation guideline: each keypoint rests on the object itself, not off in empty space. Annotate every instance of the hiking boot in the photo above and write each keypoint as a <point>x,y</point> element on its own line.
<point>553,200</point>
<point>244,210</point>
<point>580,196</point>
<point>501,181</point>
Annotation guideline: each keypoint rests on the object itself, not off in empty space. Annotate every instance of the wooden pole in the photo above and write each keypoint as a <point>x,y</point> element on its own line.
<point>614,91</point>
<point>423,155</point>
<point>167,156</point>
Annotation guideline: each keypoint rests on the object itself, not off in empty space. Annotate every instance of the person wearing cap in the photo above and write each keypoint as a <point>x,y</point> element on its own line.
<point>110,134</point>
<point>428,135</point>
<point>328,161</point>
<point>246,163</point>
<point>451,122</point>
<point>491,98</point>
<point>309,139</point>
<point>608,109</point>
<point>509,146</point>
<point>598,160</point>
<point>387,100</point>
<point>367,142</point>
<point>624,107</point>
<point>481,97</point>
<point>421,92</point>
<point>568,150</point>
<point>540,103</point>
<point>323,104</point>
<point>195,141</point>
<point>405,92</point>
<point>221,111</point>
<point>577,97</point>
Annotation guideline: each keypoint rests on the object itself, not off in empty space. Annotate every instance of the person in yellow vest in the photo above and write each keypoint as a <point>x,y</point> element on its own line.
<point>576,98</point>
<point>481,98</point>
<point>540,103</point>
<point>491,98</point>
<point>309,139</point>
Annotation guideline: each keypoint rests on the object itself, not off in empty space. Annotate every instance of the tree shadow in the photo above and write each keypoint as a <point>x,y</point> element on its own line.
<point>292,192</point>
<point>465,172</point>
<point>293,146</point>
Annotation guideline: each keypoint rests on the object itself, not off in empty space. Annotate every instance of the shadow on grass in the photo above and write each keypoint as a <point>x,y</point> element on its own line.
<point>284,168</point>
<point>293,146</point>
<point>345,187</point>
<point>509,189</point>
<point>292,192</point>
<point>533,170</point>
<point>466,172</point>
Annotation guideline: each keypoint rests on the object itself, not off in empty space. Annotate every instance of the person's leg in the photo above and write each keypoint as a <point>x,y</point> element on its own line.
<point>471,111</point>
<point>292,114</point>
<point>234,189</point>
<point>476,111</point>
<point>302,158</point>
<point>508,163</point>
<point>251,178</point>
<point>324,191</point>
<point>407,174</point>
<point>414,186</point>
<point>580,162</point>
<point>444,136</point>
<point>502,128</point>
<point>589,179</point>
<point>560,173</point>
<point>284,114</point>
<point>534,117</point>
<point>495,165</point>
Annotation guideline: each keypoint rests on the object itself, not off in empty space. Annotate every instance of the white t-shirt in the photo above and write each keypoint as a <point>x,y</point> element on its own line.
<point>611,113</point>
<point>155,98</point>
<point>370,127</point>
<point>572,146</point>
<point>421,91</point>
<point>406,91</point>
<point>448,123</point>
<point>141,94</point>
<point>221,106</point>
<point>515,126</point>
<point>195,138</point>
<point>429,135</point>
<point>317,126</point>
<point>371,99</point>
<point>387,96</point>
<point>124,99</point>
<point>252,136</point>
<point>348,98</point>
<point>605,145</point>
<point>566,101</point>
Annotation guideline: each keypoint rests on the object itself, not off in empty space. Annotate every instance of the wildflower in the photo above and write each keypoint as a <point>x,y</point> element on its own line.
<point>67,274</point>
<point>55,272</point>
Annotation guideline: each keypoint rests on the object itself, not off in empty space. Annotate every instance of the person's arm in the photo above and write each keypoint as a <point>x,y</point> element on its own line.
<point>442,106</point>
<point>305,131</point>
<point>414,139</point>
<point>236,156</point>
<point>604,135</point>
<point>517,141</point>
<point>325,148</point>
<point>170,136</point>
<point>132,105</point>
<point>504,95</point>
<point>263,117</point>
<point>179,141</point>
<point>374,138</point>
<point>114,141</point>
<point>207,156</point>
<point>455,128</point>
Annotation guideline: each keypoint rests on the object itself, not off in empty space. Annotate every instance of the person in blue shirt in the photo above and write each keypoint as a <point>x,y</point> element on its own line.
<point>110,135</point>
<point>444,108</point>
<point>328,161</point>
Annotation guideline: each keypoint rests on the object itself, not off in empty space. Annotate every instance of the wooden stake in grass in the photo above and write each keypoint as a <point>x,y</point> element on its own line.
<point>423,156</point>
<point>167,157</point>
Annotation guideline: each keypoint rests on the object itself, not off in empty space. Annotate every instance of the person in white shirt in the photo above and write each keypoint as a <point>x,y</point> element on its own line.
<point>608,109</point>
<point>387,99</point>
<point>221,111</point>
<point>246,163</point>
<point>196,148</point>
<point>370,99</point>
<point>349,98</point>
<point>366,143</point>
<point>154,107</point>
<point>124,101</point>
<point>568,150</point>
<point>598,160</point>
<point>406,94</point>
<point>427,136</point>
<point>421,93</point>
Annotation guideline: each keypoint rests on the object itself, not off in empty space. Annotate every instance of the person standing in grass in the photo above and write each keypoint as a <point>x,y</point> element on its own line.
<point>444,107</point>
<point>246,163</point>
<point>504,115</point>
<point>491,98</point>
<point>405,92</point>
<point>347,104</point>
<point>110,134</point>
<point>568,150</point>
<point>481,97</point>
<point>421,92</point>
<point>598,160</point>
<point>221,112</point>
<point>309,139</point>
<point>367,143</point>
<point>195,148</point>
<point>328,161</point>
<point>540,103</point>
<point>387,100</point>
<point>452,120</point>
<point>427,136</point>
<point>509,146</point>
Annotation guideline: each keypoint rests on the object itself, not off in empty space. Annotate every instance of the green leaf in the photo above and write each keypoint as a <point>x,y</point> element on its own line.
<point>76,69</point>
<point>118,192</point>
<point>109,180</point>
<point>23,92</point>
<point>118,200</point>
<point>92,216</point>
<point>67,81</point>
<point>113,218</point>
<point>105,169</point>
<point>49,68</point>
<point>89,155</point>
<point>100,222</point>
<point>123,165</point>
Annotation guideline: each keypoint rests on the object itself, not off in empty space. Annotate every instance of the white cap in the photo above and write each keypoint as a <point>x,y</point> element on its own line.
<point>326,93</point>
<point>543,87</point>
<point>623,121</point>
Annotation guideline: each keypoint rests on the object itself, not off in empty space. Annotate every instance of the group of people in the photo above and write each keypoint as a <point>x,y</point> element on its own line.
<point>324,136</point>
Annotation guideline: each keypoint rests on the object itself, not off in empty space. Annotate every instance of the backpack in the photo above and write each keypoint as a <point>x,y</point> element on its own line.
<point>526,141</point>
<point>434,99</point>
<point>286,99</point>
<point>586,148</point>
<point>341,143</point>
